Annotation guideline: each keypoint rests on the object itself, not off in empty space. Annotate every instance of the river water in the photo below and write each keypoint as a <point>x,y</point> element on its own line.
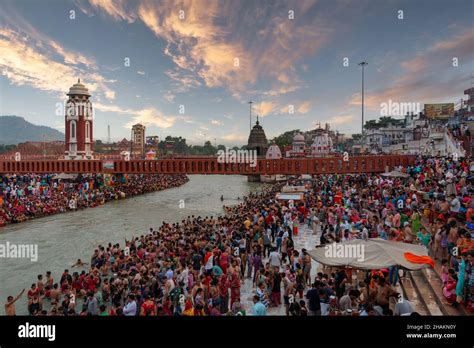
<point>64,238</point>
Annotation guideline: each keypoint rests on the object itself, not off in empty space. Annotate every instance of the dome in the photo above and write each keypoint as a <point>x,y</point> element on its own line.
<point>273,152</point>
<point>78,89</point>
<point>298,138</point>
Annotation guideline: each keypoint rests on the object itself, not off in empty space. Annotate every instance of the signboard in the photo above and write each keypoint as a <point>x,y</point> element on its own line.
<point>439,111</point>
<point>289,196</point>
<point>152,140</point>
<point>108,165</point>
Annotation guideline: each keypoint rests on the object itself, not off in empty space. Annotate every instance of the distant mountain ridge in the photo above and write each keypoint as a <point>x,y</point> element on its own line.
<point>15,130</point>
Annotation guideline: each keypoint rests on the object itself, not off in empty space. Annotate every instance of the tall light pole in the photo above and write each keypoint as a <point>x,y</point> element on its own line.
<point>131,142</point>
<point>363,64</point>
<point>250,104</point>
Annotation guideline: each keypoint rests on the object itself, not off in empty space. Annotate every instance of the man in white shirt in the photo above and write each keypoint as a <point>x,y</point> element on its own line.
<point>455,204</point>
<point>274,258</point>
<point>130,308</point>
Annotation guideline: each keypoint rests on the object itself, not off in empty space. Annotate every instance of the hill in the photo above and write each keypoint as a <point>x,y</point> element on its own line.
<point>15,129</point>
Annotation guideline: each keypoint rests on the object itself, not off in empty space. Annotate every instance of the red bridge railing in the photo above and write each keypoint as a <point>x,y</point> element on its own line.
<point>206,165</point>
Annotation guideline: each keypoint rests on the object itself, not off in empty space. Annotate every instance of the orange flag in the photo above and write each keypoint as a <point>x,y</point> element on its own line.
<point>419,259</point>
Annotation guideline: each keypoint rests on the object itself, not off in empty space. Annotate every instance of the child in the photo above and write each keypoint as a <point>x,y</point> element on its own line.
<point>444,271</point>
<point>303,309</point>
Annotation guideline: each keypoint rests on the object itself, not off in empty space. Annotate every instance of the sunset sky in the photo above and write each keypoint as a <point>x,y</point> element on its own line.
<point>191,61</point>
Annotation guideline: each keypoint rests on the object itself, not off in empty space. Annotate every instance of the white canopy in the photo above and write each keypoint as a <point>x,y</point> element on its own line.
<point>64,176</point>
<point>375,253</point>
<point>396,174</point>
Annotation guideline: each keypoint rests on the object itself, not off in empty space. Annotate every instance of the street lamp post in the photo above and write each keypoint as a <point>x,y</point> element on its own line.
<point>131,142</point>
<point>250,103</point>
<point>363,64</point>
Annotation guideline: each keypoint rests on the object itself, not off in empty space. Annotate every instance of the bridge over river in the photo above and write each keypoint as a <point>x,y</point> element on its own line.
<point>211,165</point>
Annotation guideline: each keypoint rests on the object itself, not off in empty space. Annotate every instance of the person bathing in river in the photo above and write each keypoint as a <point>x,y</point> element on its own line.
<point>10,309</point>
<point>79,263</point>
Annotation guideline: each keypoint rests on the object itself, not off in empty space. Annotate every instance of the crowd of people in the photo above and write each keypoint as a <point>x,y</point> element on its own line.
<point>200,265</point>
<point>25,197</point>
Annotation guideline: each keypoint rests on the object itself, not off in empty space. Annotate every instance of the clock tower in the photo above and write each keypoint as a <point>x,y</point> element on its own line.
<point>79,122</point>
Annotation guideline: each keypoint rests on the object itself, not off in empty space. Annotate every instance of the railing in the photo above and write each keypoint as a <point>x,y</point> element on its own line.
<point>206,165</point>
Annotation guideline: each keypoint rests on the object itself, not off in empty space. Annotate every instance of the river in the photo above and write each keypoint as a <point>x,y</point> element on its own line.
<point>64,238</point>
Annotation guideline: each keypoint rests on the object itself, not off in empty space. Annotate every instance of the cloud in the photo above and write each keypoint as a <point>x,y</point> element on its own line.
<point>139,72</point>
<point>23,65</point>
<point>147,116</point>
<point>118,9</point>
<point>265,108</point>
<point>216,122</point>
<point>235,137</point>
<point>152,116</point>
<point>282,90</point>
<point>169,97</point>
<point>304,107</point>
<point>31,58</point>
<point>341,119</point>
<point>180,81</point>
<point>428,75</point>
<point>70,57</point>
<point>210,42</point>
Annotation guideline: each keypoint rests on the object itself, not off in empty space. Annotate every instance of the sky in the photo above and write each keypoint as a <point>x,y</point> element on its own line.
<point>189,67</point>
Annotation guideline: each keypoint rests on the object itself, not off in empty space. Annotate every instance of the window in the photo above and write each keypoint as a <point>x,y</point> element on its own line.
<point>88,131</point>
<point>73,129</point>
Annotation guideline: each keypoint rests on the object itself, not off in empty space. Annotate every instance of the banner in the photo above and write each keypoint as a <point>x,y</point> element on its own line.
<point>439,111</point>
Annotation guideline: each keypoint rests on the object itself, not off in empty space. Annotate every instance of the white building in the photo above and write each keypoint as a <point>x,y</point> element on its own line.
<point>322,144</point>
<point>298,146</point>
<point>273,152</point>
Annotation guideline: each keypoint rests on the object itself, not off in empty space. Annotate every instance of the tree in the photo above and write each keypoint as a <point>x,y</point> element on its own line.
<point>286,138</point>
<point>6,148</point>
<point>372,124</point>
<point>382,122</point>
<point>208,149</point>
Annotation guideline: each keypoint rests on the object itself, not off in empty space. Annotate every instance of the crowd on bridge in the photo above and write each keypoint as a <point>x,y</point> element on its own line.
<point>204,265</point>
<point>25,197</point>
